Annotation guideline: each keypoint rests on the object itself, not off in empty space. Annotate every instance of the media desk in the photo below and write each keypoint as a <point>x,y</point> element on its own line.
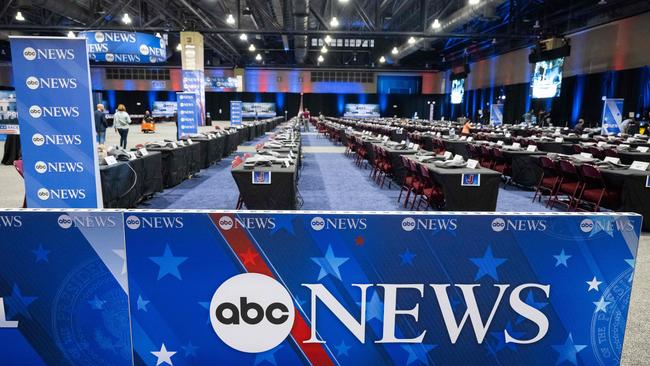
<point>127,183</point>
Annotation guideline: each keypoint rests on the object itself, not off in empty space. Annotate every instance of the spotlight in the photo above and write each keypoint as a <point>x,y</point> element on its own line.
<point>71,34</point>
<point>382,59</point>
<point>126,19</point>
<point>179,47</point>
<point>320,58</point>
<point>411,40</point>
<point>334,22</point>
<point>536,25</point>
<point>436,24</point>
<point>328,39</point>
<point>251,48</point>
<point>344,1</point>
<point>19,16</point>
<point>243,37</point>
<point>230,19</point>
<point>394,51</point>
<point>258,57</point>
<point>158,35</point>
<point>323,50</point>
<point>474,2</point>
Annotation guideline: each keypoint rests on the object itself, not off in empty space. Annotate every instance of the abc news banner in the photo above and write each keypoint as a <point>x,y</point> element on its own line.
<point>182,288</point>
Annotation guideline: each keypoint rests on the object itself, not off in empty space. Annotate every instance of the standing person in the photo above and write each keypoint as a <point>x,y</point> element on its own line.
<point>580,126</point>
<point>121,121</point>
<point>100,124</point>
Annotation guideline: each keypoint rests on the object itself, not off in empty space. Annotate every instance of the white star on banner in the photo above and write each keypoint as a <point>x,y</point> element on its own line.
<point>601,305</point>
<point>593,284</point>
<point>163,356</point>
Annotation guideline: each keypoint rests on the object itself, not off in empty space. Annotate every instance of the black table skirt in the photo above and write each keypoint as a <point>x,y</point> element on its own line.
<point>524,167</point>
<point>127,183</point>
<point>175,167</point>
<point>627,157</point>
<point>279,195</point>
<point>12,150</point>
<point>457,147</point>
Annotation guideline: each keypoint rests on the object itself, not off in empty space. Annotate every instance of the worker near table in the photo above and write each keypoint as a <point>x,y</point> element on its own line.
<point>580,126</point>
<point>100,124</point>
<point>467,127</point>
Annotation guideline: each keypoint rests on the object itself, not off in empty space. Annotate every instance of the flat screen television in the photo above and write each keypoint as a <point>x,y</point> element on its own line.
<point>361,110</point>
<point>163,108</point>
<point>457,91</point>
<point>259,110</point>
<point>547,78</point>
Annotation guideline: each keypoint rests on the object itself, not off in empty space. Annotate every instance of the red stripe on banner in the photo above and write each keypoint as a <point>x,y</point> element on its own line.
<point>253,262</point>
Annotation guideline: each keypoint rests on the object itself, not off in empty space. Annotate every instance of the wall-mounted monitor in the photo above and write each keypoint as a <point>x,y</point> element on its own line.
<point>163,108</point>
<point>457,91</point>
<point>547,78</point>
<point>258,110</point>
<point>361,110</point>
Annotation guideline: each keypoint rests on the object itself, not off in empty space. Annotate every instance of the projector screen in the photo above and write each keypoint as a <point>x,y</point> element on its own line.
<point>547,78</point>
<point>457,91</point>
<point>361,110</point>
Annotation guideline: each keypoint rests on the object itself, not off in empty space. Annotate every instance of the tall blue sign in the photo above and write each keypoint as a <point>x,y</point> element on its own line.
<point>194,82</point>
<point>125,47</point>
<point>188,112</point>
<point>236,113</point>
<point>612,116</point>
<point>496,114</point>
<point>54,103</point>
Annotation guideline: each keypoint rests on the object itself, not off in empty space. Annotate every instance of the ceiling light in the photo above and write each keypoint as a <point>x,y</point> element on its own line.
<point>436,24</point>
<point>71,34</point>
<point>251,48</point>
<point>179,47</point>
<point>328,39</point>
<point>474,2</point>
<point>602,2</point>
<point>258,57</point>
<point>230,19</point>
<point>536,25</point>
<point>243,37</point>
<point>382,59</point>
<point>334,22</point>
<point>411,40</point>
<point>126,19</point>
<point>323,50</point>
<point>321,58</point>
<point>344,1</point>
<point>494,41</point>
<point>19,16</point>
<point>394,51</point>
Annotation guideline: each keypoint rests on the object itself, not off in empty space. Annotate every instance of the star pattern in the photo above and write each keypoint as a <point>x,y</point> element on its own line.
<point>329,264</point>
<point>374,308</point>
<point>593,284</point>
<point>249,257</point>
<point>487,265</point>
<point>190,349</point>
<point>17,303</point>
<point>601,305</point>
<point>142,303</point>
<point>418,353</point>
<point>41,254</point>
<point>342,349</point>
<point>97,303</point>
<point>500,340</point>
<point>407,258</point>
<point>267,357</point>
<point>561,259</point>
<point>568,351</point>
<point>359,241</point>
<point>530,301</point>
<point>168,264</point>
<point>163,356</point>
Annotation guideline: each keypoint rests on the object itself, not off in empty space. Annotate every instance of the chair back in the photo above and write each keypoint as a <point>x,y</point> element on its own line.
<point>611,153</point>
<point>591,176</point>
<point>236,161</point>
<point>424,172</point>
<point>568,170</point>
<point>596,152</point>
<point>577,149</point>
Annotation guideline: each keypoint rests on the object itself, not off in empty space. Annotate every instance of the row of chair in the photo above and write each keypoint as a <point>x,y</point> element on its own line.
<point>580,188</point>
<point>381,166</point>
<point>490,158</point>
<point>417,182</point>
<point>596,152</point>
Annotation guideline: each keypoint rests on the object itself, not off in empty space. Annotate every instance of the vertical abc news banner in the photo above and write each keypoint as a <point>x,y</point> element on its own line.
<point>54,103</point>
<point>369,289</point>
<point>188,113</point>
<point>63,294</point>
<point>236,113</point>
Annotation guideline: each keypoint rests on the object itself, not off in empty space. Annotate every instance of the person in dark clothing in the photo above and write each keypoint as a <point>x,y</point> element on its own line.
<point>100,124</point>
<point>580,126</point>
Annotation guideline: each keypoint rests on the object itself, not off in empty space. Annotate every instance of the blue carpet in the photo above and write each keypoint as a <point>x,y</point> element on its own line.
<point>328,181</point>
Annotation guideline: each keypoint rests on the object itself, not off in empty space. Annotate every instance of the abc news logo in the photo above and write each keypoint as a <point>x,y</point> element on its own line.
<point>410,224</point>
<point>34,83</point>
<point>40,140</point>
<point>499,224</point>
<point>226,223</point>
<point>36,111</point>
<point>66,221</point>
<point>45,194</point>
<point>31,54</point>
<point>588,225</point>
<point>338,223</point>
<point>42,167</point>
<point>154,222</point>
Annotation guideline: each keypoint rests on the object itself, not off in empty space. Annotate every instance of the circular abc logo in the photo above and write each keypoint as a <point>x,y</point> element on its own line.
<point>226,222</point>
<point>32,83</point>
<point>110,57</point>
<point>408,224</point>
<point>40,167</point>
<point>133,222</point>
<point>587,225</point>
<point>144,49</point>
<point>29,53</point>
<point>35,111</point>
<point>252,312</point>
<point>43,194</point>
<point>99,37</point>
<point>64,221</point>
<point>38,139</point>
<point>498,224</point>
<point>317,223</point>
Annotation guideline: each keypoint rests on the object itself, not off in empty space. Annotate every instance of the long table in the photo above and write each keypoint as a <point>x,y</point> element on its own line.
<point>178,163</point>
<point>127,183</point>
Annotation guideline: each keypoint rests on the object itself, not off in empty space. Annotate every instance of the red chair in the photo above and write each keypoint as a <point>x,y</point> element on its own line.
<point>596,152</point>
<point>501,164</point>
<point>486,157</point>
<point>594,192</point>
<point>549,179</point>
<point>568,186</point>
<point>418,183</point>
<point>18,164</point>
<point>385,168</point>
<point>430,193</point>
<point>611,153</point>
<point>474,152</point>
<point>375,165</point>
<point>409,179</point>
<point>577,149</point>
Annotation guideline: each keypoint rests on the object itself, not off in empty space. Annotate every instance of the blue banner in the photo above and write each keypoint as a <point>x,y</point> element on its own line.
<point>63,299</point>
<point>54,104</point>
<point>125,47</point>
<point>496,114</point>
<point>612,116</point>
<point>188,113</point>
<point>370,289</point>
<point>236,113</point>
<point>194,82</point>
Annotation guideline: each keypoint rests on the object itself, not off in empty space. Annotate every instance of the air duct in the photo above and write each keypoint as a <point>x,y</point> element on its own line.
<point>301,17</point>
<point>485,9</point>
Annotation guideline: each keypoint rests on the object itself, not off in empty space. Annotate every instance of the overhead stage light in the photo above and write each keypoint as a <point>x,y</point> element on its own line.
<point>179,47</point>
<point>334,22</point>
<point>394,51</point>
<point>251,48</point>
<point>436,24</point>
<point>323,50</point>
<point>328,39</point>
<point>230,19</point>
<point>344,1</point>
<point>258,57</point>
<point>19,16</point>
<point>411,40</point>
<point>71,34</point>
<point>243,37</point>
<point>382,59</point>
<point>126,19</point>
<point>474,2</point>
<point>158,35</point>
<point>320,58</point>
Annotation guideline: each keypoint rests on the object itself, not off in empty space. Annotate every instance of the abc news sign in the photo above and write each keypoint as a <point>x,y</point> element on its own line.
<point>125,47</point>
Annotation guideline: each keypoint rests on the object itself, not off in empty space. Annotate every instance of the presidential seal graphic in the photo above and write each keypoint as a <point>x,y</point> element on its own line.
<point>608,325</point>
<point>90,317</point>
